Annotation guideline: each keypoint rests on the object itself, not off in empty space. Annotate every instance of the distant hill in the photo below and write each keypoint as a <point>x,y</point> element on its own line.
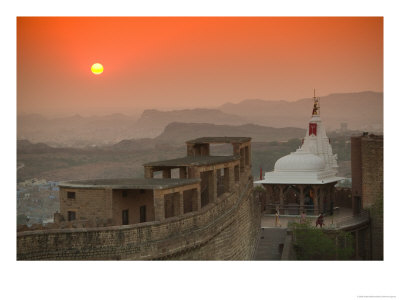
<point>25,146</point>
<point>152,122</point>
<point>76,131</point>
<point>133,145</point>
<point>361,111</point>
<point>181,132</point>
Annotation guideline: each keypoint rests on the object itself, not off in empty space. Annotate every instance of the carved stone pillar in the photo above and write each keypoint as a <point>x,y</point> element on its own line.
<point>301,188</point>
<point>333,196</point>
<point>321,199</point>
<point>281,202</point>
<point>315,199</point>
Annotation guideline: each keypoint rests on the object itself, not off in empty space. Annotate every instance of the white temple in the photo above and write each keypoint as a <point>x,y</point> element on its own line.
<point>310,171</point>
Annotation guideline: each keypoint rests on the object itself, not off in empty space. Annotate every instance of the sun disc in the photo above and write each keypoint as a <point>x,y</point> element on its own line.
<point>97,69</point>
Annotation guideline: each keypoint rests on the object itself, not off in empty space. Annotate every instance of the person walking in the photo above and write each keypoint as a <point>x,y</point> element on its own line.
<point>303,217</point>
<point>320,221</point>
<point>277,223</point>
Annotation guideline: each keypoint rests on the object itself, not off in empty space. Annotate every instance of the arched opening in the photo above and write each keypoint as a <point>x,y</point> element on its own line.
<point>292,199</point>
<point>309,195</point>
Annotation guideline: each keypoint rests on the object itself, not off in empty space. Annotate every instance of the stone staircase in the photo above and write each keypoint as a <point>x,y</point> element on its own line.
<point>270,244</point>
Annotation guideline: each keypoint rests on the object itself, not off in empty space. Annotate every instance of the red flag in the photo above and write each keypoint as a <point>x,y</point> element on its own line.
<point>312,129</point>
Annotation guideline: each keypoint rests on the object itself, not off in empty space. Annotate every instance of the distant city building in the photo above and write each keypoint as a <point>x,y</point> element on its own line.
<point>343,127</point>
<point>304,180</point>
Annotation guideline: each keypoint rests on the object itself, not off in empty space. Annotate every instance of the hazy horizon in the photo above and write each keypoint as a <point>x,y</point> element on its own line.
<point>190,62</point>
<point>139,111</point>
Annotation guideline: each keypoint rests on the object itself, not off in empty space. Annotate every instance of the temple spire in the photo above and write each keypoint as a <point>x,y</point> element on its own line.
<point>315,111</point>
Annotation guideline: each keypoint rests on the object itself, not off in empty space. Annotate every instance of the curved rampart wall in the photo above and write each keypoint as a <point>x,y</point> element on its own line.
<point>225,230</point>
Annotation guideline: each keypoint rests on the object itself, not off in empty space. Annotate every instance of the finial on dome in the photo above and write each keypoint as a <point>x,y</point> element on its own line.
<point>315,111</point>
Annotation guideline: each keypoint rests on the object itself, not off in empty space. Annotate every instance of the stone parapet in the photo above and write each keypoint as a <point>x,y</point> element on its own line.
<point>226,229</point>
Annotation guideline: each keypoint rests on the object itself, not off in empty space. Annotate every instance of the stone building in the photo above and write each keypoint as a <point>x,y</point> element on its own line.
<point>366,170</point>
<point>367,190</point>
<point>128,201</point>
<point>304,180</point>
<point>207,213</point>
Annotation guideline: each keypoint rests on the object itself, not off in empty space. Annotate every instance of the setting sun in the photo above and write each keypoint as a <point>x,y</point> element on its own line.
<point>97,69</point>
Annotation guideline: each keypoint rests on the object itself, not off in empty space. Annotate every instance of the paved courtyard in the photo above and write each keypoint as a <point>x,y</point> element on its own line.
<point>272,237</point>
<point>268,221</point>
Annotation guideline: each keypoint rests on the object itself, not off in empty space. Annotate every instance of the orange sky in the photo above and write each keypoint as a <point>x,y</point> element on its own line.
<point>190,62</point>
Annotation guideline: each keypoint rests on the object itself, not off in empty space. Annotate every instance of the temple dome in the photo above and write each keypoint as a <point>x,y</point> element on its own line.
<point>300,161</point>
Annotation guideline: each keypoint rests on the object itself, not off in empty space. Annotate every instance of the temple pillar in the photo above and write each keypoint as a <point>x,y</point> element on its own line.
<point>301,188</point>
<point>330,199</point>
<point>275,196</point>
<point>268,192</point>
<point>268,196</point>
<point>333,196</point>
<point>321,199</point>
<point>281,203</point>
<point>315,199</point>
<point>327,197</point>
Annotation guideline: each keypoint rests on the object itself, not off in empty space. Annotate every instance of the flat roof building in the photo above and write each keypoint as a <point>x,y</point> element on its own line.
<point>202,179</point>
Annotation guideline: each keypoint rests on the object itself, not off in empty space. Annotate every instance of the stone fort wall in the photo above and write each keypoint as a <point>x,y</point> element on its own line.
<point>367,177</point>
<point>225,230</point>
<point>372,169</point>
<point>372,188</point>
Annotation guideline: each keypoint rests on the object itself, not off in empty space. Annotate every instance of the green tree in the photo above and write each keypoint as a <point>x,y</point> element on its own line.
<point>311,243</point>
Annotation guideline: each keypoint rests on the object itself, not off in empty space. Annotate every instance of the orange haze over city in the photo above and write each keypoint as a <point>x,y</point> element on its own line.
<point>189,62</point>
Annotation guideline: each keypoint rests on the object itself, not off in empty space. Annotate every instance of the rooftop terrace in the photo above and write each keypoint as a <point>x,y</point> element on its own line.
<point>219,139</point>
<point>192,161</point>
<point>130,183</point>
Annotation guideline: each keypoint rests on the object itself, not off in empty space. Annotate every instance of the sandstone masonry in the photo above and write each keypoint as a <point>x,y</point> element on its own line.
<point>208,213</point>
